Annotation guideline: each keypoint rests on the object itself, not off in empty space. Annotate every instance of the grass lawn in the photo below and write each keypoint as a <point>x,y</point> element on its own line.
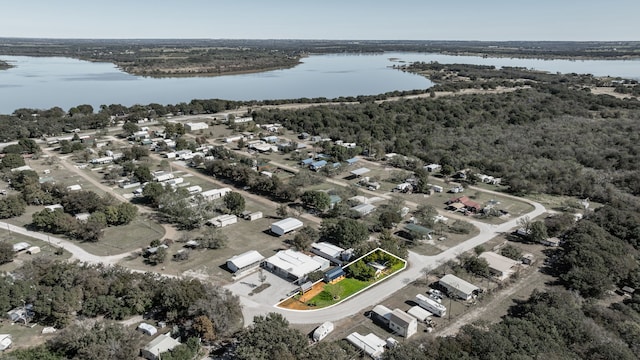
<point>119,239</point>
<point>46,250</point>
<point>340,291</point>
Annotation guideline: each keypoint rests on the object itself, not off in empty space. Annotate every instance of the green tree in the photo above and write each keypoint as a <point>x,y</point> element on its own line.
<point>271,338</point>
<point>388,219</point>
<point>511,252</point>
<point>6,252</point>
<point>11,161</point>
<point>537,231</point>
<point>143,174</point>
<point>130,128</point>
<point>319,200</point>
<point>152,193</point>
<point>476,265</point>
<point>12,206</point>
<point>346,233</point>
<point>234,202</point>
<point>361,271</point>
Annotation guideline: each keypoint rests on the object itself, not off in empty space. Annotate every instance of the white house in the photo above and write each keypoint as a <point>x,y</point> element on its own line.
<point>292,265</point>
<point>147,329</point>
<point>245,261</point>
<point>402,323</point>
<point>458,287</point>
<point>254,216</point>
<point>285,226</point>
<point>162,343</point>
<point>364,209</point>
<point>21,246</point>
<point>328,251</point>
<point>223,220</point>
<point>194,189</point>
<point>5,341</point>
<point>214,194</point>
<point>74,187</point>
<point>195,126</point>
<point>370,344</point>
<point>500,266</point>
<point>54,207</point>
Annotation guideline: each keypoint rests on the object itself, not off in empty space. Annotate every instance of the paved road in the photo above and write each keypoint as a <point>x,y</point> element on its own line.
<point>77,253</point>
<point>347,308</point>
<point>387,288</point>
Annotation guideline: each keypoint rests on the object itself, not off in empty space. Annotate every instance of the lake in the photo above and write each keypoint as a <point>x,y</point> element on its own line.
<point>45,82</point>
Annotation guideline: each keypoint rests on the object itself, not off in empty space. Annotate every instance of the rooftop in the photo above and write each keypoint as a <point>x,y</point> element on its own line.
<point>294,262</point>
<point>459,284</point>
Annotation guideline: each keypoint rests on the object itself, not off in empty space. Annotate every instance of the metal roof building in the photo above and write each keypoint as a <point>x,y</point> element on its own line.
<point>284,226</point>
<point>458,287</point>
<point>245,261</point>
<point>500,266</point>
<point>292,265</point>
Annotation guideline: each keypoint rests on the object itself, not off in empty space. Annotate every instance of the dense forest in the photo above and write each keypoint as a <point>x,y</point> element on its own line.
<point>555,138</point>
<point>62,293</point>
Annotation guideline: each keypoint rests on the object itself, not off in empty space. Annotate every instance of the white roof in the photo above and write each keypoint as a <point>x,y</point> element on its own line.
<point>364,208</point>
<point>215,191</point>
<point>288,223</point>
<point>328,248</point>
<point>294,262</point>
<point>148,328</point>
<point>419,313</point>
<point>21,246</point>
<point>246,259</point>
<point>461,285</point>
<point>498,262</point>
<point>400,317</point>
<point>161,344</point>
<point>360,171</point>
<point>371,344</point>
<point>5,341</point>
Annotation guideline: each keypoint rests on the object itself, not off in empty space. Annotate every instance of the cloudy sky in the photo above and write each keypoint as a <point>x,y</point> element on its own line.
<point>578,20</point>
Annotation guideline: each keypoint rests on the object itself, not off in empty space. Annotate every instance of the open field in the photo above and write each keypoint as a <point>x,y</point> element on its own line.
<point>46,250</point>
<point>211,263</point>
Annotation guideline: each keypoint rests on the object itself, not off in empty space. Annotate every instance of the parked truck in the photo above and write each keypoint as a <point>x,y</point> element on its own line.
<point>431,305</point>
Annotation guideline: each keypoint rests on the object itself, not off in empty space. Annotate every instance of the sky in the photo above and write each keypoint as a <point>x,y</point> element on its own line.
<point>488,20</point>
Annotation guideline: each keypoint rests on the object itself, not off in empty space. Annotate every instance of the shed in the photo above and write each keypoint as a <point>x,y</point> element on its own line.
<point>363,209</point>
<point>21,246</point>
<point>352,161</point>
<point>194,189</point>
<point>360,171</point>
<point>370,344</point>
<point>402,323</point>
<point>499,266</point>
<point>5,341</point>
<point>292,265</point>
<point>223,220</point>
<point>147,329</point>
<point>195,126</point>
<point>254,216</point>
<point>162,343</point>
<point>245,261</point>
<point>322,331</point>
<point>318,165</point>
<point>328,251</point>
<point>334,275</point>
<point>419,232</point>
<point>33,250</point>
<point>285,226</point>
<point>380,315</point>
<point>458,287</point>
<point>419,313</point>
<point>214,194</point>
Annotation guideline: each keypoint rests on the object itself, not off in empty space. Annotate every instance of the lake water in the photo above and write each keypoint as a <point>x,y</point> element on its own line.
<point>47,82</point>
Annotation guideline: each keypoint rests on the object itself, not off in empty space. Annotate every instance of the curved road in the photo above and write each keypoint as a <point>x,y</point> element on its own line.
<point>387,288</point>
<point>367,299</point>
